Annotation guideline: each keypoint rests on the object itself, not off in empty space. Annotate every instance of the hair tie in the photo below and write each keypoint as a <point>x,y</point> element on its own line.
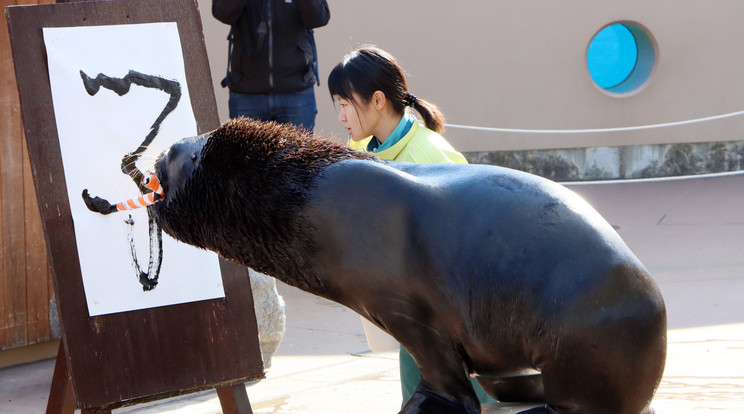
<point>409,100</point>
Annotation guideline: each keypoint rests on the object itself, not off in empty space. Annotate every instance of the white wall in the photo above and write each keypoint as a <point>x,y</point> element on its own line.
<point>521,64</point>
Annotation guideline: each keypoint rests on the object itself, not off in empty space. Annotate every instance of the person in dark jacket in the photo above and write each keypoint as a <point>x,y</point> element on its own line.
<point>272,65</point>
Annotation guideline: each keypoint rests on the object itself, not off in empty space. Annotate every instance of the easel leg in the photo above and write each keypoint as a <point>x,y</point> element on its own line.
<point>234,400</point>
<point>61,396</point>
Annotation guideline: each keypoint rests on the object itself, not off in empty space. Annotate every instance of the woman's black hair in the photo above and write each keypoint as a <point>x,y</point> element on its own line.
<point>369,69</point>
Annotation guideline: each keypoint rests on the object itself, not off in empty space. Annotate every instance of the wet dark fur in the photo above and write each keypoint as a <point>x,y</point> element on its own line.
<point>261,178</point>
<point>473,269</point>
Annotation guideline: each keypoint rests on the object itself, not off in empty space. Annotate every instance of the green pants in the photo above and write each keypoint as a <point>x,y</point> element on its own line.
<point>410,378</point>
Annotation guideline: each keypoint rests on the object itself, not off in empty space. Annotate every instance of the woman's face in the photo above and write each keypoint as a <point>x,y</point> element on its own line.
<point>358,118</point>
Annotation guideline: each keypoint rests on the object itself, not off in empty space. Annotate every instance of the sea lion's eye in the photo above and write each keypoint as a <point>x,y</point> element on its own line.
<point>193,157</point>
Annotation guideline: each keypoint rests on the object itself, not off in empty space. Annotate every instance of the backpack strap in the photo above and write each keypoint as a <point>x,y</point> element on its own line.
<point>311,33</point>
<point>226,80</point>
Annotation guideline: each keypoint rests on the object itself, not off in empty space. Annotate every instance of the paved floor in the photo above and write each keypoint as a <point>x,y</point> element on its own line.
<point>690,234</point>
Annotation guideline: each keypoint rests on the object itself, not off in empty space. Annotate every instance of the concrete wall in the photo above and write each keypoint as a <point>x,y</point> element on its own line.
<point>521,64</point>
<point>620,162</point>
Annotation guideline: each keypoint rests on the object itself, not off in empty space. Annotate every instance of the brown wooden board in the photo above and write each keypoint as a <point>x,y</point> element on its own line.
<point>128,357</point>
<point>12,258</point>
<point>25,280</point>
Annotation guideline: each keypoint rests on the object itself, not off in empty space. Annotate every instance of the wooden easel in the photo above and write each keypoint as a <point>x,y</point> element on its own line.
<point>109,361</point>
<point>233,397</point>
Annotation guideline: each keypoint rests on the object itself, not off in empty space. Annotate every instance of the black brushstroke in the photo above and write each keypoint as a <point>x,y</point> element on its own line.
<point>153,268</point>
<point>98,204</point>
<point>121,86</point>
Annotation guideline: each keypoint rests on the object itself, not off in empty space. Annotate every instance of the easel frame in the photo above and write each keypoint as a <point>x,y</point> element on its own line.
<point>109,361</point>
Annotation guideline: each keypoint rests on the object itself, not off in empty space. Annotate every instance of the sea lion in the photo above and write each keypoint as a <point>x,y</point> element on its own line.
<point>474,269</point>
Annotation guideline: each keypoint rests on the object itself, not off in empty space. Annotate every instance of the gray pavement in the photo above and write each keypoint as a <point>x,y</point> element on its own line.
<point>689,233</point>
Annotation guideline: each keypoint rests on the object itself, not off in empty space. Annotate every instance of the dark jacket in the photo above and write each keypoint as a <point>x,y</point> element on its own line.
<point>272,49</point>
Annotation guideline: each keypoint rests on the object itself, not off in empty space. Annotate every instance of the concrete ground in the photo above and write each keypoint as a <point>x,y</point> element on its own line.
<point>689,233</point>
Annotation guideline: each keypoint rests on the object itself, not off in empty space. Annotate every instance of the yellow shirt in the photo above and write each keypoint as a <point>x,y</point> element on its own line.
<point>420,145</point>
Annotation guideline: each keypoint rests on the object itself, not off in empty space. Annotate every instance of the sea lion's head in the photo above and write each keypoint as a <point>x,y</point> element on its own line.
<point>179,170</point>
<point>177,164</point>
<point>243,184</point>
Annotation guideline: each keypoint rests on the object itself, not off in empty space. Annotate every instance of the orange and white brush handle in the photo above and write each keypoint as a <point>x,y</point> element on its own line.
<point>144,200</point>
<point>100,205</point>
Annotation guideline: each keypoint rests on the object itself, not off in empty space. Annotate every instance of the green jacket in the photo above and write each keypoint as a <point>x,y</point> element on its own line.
<point>420,145</point>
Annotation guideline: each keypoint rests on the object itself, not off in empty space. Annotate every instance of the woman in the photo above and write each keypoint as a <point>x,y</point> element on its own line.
<point>371,93</point>
<point>370,90</point>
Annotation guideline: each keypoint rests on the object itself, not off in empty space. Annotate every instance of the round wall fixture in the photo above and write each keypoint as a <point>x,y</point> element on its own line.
<point>620,57</point>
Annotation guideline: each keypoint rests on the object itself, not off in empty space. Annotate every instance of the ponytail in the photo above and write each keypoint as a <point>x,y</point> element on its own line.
<point>431,114</point>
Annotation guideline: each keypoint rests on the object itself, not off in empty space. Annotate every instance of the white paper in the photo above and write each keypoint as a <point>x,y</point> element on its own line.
<point>95,132</point>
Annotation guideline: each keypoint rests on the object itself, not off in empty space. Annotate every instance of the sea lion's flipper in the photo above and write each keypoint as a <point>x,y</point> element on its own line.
<point>538,410</point>
<point>519,389</point>
<point>426,401</point>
